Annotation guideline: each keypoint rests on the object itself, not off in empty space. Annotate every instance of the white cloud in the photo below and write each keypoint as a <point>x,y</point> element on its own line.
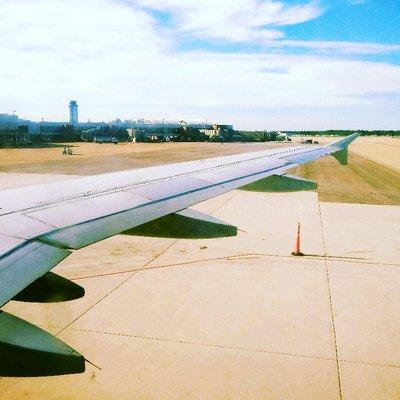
<point>237,21</point>
<point>116,63</point>
<point>340,47</point>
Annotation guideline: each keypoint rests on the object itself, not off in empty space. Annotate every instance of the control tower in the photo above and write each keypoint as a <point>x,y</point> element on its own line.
<point>73,112</point>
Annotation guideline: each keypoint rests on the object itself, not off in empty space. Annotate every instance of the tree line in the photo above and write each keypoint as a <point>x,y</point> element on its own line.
<point>347,132</point>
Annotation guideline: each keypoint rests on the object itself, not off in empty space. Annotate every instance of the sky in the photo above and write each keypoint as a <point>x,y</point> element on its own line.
<point>256,64</point>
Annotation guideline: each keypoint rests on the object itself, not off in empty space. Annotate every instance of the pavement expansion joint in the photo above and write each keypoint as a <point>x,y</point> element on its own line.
<point>376,364</point>
<point>230,347</point>
<point>188,342</point>
<point>331,308</point>
<point>245,256</point>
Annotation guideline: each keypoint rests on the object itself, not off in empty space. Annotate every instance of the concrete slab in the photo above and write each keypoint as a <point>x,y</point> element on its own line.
<point>370,382</point>
<point>362,233</point>
<point>366,304</point>
<point>147,368</point>
<point>115,255</point>
<point>240,303</point>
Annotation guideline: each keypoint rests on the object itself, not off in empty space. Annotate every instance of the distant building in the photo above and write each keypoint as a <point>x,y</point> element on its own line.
<point>8,122</point>
<point>159,129</point>
<point>222,132</point>
<point>13,129</point>
<point>73,112</point>
<point>150,129</point>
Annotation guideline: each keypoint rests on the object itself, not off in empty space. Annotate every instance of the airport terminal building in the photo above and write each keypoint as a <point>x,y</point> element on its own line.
<point>14,130</point>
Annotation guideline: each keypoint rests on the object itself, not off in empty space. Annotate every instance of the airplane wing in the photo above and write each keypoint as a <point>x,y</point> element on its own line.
<point>41,225</point>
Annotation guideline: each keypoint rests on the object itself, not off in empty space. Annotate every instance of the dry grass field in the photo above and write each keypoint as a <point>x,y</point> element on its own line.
<point>91,158</point>
<point>362,181</point>
<point>372,175</point>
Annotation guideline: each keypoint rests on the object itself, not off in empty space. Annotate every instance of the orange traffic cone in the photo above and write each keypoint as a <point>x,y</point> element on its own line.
<point>297,251</point>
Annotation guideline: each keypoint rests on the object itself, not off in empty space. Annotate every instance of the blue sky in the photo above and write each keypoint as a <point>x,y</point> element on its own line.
<point>258,64</point>
<point>341,21</point>
<point>367,21</point>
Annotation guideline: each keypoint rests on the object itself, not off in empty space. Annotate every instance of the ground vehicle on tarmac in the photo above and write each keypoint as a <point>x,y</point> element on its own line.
<point>105,139</point>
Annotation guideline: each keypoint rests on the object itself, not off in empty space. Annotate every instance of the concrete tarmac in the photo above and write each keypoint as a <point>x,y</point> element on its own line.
<point>233,318</point>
